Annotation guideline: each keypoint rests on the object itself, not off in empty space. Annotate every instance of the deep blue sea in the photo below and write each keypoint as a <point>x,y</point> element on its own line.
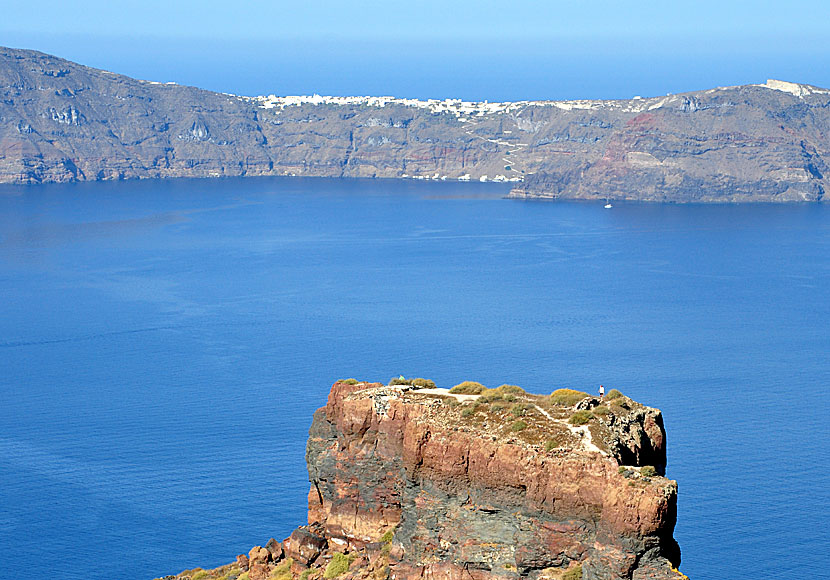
<point>163,345</point>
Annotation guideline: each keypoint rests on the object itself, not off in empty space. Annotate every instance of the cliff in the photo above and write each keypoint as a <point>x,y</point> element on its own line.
<point>60,121</point>
<point>410,482</point>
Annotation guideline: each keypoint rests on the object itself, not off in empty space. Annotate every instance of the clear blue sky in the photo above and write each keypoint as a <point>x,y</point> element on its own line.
<point>472,49</point>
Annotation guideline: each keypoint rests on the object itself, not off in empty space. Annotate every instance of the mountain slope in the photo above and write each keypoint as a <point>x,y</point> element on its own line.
<point>60,121</point>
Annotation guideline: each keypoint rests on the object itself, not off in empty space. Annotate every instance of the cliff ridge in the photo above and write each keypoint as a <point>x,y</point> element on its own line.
<point>61,121</point>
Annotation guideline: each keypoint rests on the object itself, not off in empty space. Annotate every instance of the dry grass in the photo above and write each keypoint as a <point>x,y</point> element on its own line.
<point>581,417</point>
<point>567,397</point>
<point>468,388</point>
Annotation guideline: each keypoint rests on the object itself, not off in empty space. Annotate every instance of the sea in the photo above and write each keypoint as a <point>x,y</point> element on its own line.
<point>163,345</point>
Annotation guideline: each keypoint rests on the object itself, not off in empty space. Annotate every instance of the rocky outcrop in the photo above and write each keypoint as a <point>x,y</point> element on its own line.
<point>60,121</point>
<point>413,483</point>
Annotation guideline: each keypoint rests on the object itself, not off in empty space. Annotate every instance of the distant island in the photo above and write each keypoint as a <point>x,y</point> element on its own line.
<point>410,481</point>
<point>62,122</point>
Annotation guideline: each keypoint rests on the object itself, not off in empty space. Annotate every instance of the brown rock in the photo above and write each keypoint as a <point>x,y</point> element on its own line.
<point>258,554</point>
<point>275,549</point>
<point>412,488</point>
<point>242,561</point>
<point>305,545</point>
<point>258,571</point>
<point>258,560</point>
<point>472,502</point>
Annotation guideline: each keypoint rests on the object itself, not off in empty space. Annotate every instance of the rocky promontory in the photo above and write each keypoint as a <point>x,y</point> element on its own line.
<point>61,121</point>
<point>411,481</point>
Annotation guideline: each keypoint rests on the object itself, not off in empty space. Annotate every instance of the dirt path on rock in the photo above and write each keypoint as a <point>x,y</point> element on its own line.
<point>446,393</point>
<point>580,431</point>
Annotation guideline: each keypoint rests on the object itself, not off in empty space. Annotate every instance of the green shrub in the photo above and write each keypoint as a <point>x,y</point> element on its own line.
<point>509,398</point>
<point>423,383</point>
<point>230,574</point>
<point>613,394</point>
<point>519,409</point>
<point>246,577</point>
<point>281,572</point>
<point>399,381</point>
<point>574,573</point>
<point>619,404</point>
<point>601,411</point>
<point>388,536</point>
<point>305,574</point>
<point>349,381</point>
<point>469,411</point>
<point>580,417</point>
<point>550,445</point>
<point>200,575</point>
<point>489,396</point>
<point>569,397</point>
<point>648,471</point>
<point>518,426</point>
<point>338,566</point>
<point>510,390</point>
<point>451,401</point>
<point>468,388</point>
<point>622,469</point>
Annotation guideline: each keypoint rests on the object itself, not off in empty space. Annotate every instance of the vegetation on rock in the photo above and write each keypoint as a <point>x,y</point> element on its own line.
<point>339,565</point>
<point>613,394</point>
<point>568,397</point>
<point>417,382</point>
<point>468,388</point>
<point>510,390</point>
<point>580,417</point>
<point>282,571</point>
<point>648,471</point>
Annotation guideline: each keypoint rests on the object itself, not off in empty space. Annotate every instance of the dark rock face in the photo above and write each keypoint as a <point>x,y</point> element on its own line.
<point>60,121</point>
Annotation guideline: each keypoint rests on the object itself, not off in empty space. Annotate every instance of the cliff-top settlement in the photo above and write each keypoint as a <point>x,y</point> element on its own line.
<point>60,121</point>
<point>411,481</point>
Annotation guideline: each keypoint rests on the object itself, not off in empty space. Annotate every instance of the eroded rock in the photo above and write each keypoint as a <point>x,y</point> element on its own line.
<point>427,485</point>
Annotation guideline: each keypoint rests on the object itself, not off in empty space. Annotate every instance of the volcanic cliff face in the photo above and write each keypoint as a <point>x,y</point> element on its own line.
<point>60,121</point>
<point>420,483</point>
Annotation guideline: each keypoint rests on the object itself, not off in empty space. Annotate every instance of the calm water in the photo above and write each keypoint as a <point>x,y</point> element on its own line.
<point>163,345</point>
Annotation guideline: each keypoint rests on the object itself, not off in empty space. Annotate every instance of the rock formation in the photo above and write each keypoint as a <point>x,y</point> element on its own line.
<point>60,121</point>
<point>410,482</point>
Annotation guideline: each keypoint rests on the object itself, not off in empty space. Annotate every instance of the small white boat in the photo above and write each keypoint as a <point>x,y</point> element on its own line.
<point>608,205</point>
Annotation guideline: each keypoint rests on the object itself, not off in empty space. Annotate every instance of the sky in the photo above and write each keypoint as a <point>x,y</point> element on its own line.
<point>477,50</point>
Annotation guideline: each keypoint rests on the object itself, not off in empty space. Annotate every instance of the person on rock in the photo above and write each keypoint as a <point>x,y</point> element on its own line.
<point>601,392</point>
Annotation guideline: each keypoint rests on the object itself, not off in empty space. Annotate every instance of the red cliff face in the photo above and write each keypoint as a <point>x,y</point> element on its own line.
<point>418,483</point>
